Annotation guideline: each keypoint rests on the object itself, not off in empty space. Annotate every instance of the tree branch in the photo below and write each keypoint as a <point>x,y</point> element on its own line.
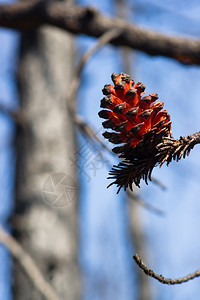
<point>161,278</point>
<point>28,265</point>
<point>129,171</point>
<point>83,125</point>
<point>16,115</point>
<point>146,205</point>
<point>28,15</point>
<point>174,149</point>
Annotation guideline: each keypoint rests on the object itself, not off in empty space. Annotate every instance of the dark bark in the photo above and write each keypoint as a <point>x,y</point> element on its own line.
<point>86,20</point>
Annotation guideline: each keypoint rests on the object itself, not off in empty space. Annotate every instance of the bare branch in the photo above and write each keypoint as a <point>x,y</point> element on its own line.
<point>159,183</point>
<point>83,126</point>
<point>161,278</point>
<point>27,15</point>
<point>103,40</point>
<point>16,115</point>
<point>28,265</point>
<point>146,205</point>
<point>89,132</point>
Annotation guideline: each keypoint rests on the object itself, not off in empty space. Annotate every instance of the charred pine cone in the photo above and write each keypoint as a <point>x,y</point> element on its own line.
<point>142,129</point>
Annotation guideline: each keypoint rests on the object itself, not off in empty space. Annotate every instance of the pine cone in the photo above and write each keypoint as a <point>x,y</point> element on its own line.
<point>139,123</point>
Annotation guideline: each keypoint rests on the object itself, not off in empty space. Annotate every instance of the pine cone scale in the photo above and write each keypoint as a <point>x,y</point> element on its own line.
<point>140,124</point>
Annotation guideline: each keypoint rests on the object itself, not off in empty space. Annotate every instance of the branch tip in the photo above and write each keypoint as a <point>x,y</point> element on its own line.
<point>161,278</point>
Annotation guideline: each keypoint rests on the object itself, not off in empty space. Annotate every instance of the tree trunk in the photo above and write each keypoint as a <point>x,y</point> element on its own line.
<point>45,221</point>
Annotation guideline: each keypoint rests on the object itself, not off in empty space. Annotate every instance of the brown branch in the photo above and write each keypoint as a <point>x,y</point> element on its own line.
<point>172,149</point>
<point>86,20</point>
<point>161,278</point>
<point>141,167</point>
<point>28,265</point>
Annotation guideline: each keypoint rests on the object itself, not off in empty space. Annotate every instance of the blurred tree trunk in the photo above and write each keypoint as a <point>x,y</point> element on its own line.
<point>139,241</point>
<point>45,221</point>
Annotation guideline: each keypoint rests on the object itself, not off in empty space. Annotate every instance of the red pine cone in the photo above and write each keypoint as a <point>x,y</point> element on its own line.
<point>139,124</point>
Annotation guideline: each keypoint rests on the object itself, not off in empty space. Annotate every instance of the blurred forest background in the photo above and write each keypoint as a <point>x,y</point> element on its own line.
<point>73,237</point>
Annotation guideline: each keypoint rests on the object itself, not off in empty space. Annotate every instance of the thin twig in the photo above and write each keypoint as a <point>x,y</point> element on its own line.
<point>103,40</point>
<point>16,115</point>
<point>159,183</point>
<point>28,265</point>
<point>83,125</point>
<point>89,132</point>
<point>148,206</point>
<point>161,278</point>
